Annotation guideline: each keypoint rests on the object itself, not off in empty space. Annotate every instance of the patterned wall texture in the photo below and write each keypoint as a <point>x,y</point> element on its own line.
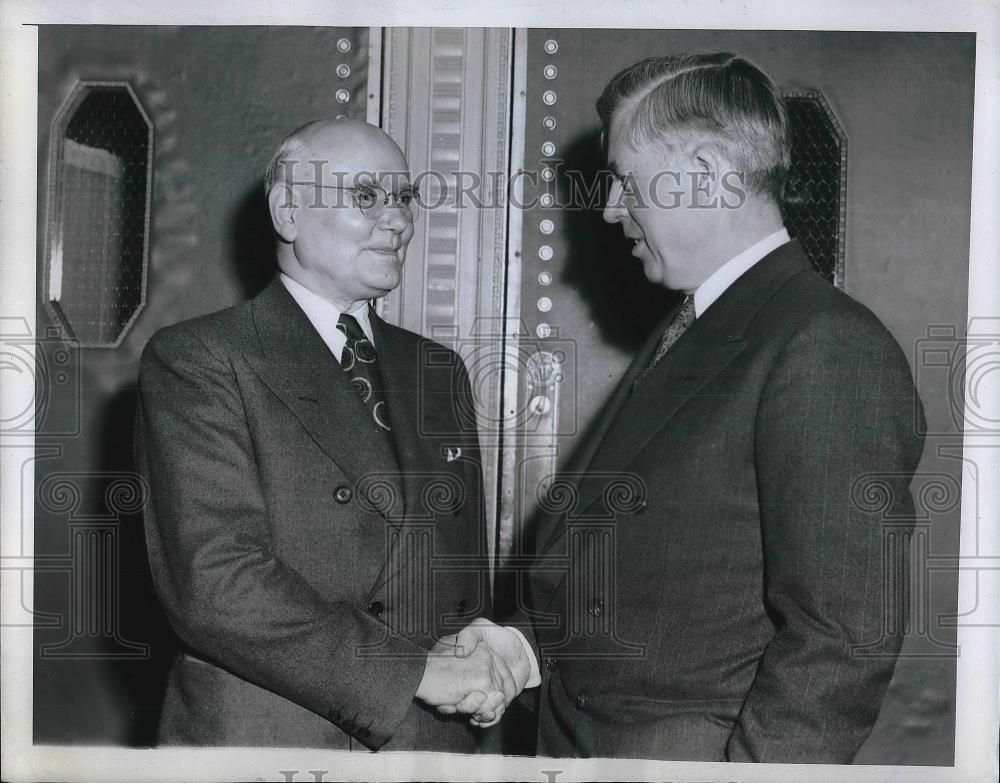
<point>816,192</point>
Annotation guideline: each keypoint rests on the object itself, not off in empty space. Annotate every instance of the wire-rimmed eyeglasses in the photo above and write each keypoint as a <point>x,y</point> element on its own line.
<point>373,200</point>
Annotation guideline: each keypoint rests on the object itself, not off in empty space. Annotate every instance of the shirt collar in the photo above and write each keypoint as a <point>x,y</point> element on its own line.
<point>733,269</point>
<point>323,315</point>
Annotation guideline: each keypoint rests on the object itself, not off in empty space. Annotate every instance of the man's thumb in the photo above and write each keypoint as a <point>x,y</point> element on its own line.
<point>466,641</point>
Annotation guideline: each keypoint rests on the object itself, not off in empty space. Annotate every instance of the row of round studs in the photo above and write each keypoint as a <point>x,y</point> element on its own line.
<point>546,226</point>
<point>343,70</point>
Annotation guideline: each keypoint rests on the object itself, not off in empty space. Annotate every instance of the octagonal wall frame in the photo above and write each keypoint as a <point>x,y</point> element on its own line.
<point>97,227</point>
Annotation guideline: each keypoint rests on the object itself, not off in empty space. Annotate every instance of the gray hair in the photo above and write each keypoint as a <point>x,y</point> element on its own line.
<point>715,96</point>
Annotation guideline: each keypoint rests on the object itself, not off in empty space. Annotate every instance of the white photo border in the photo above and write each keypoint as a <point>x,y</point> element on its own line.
<point>978,682</point>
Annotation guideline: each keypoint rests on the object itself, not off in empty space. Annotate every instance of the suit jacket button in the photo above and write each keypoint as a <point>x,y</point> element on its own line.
<point>343,494</point>
<point>348,725</point>
<point>460,606</point>
<point>363,733</point>
<point>335,715</point>
<point>596,608</point>
<point>550,664</point>
<point>581,700</point>
<point>376,608</point>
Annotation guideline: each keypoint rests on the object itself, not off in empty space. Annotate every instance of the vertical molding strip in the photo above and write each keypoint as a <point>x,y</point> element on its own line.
<point>446,102</point>
<point>512,315</point>
<point>374,104</point>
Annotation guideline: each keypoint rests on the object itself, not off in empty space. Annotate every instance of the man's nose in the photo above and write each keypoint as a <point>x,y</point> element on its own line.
<point>393,218</point>
<point>614,209</point>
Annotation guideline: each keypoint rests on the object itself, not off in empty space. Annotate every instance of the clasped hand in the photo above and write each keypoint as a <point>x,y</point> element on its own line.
<point>477,672</point>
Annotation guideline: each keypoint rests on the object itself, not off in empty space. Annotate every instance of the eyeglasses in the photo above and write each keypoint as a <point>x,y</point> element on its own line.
<point>373,200</point>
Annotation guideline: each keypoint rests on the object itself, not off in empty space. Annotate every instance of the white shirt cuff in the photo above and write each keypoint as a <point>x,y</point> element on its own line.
<point>535,677</point>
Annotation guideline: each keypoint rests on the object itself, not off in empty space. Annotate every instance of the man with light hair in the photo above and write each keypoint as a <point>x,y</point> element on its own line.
<point>746,616</point>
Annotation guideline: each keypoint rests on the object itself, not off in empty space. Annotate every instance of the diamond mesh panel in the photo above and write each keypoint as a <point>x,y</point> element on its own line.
<point>813,206</point>
<point>101,186</point>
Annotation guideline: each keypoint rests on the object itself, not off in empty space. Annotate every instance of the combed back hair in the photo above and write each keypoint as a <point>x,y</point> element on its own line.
<point>289,150</point>
<point>715,97</point>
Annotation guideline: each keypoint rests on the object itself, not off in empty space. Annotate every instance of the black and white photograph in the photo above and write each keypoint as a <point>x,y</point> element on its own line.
<point>434,392</point>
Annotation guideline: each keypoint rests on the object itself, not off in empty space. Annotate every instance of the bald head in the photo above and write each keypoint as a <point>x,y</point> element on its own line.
<point>335,147</point>
<point>334,234</point>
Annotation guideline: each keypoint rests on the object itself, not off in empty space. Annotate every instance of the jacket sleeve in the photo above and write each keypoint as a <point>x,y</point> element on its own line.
<point>836,419</point>
<point>228,597</point>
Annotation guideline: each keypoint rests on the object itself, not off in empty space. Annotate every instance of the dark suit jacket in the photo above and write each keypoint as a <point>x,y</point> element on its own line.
<point>306,568</point>
<point>733,559</point>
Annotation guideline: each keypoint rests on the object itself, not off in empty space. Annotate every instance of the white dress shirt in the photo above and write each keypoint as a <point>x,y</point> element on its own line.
<point>733,269</point>
<point>324,316</point>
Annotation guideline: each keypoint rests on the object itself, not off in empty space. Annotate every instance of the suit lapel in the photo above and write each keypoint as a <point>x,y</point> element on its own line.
<point>412,411</point>
<point>711,344</point>
<point>298,367</point>
<point>698,357</point>
<point>623,392</point>
<point>398,365</point>
<point>583,455</point>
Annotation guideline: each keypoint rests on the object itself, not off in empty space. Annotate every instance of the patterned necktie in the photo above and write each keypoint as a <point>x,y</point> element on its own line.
<point>680,324</point>
<point>358,361</point>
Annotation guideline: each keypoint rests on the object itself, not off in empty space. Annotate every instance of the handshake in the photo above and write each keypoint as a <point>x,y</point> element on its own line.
<point>478,672</point>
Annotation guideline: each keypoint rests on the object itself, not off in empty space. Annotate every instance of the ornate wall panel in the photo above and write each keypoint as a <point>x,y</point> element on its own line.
<point>446,103</point>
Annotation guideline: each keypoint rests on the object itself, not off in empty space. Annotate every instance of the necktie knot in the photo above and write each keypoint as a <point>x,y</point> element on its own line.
<point>349,325</point>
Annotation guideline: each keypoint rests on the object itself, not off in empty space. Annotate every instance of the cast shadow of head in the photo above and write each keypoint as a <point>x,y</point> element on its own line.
<point>251,241</point>
<point>623,304</point>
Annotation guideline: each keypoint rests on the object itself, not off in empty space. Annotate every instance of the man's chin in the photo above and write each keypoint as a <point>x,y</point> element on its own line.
<point>652,271</point>
<point>384,286</point>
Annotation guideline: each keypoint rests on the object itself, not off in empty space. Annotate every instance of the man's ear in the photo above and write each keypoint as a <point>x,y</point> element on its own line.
<point>708,166</point>
<point>284,211</point>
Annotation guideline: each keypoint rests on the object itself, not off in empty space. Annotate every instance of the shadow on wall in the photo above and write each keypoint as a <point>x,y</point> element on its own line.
<point>141,621</point>
<point>252,241</point>
<point>625,306</point>
<point>141,681</point>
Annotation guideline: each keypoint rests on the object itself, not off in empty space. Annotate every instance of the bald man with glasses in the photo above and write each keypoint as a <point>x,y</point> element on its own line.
<point>308,463</point>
